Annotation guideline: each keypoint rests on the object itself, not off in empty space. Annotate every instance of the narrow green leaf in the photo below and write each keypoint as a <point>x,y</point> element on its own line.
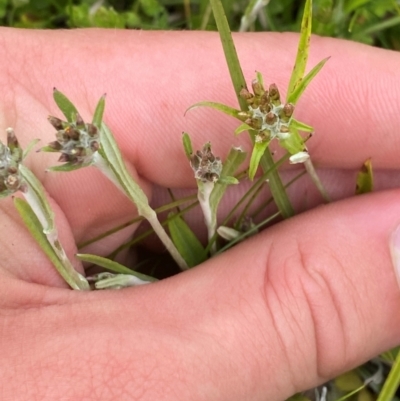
<point>35,228</point>
<point>30,146</point>
<point>112,266</point>
<point>99,111</point>
<point>258,152</point>
<point>67,167</point>
<point>232,59</point>
<point>38,198</point>
<point>65,105</point>
<point>295,95</point>
<point>302,50</point>
<point>48,149</point>
<point>392,382</point>
<point>228,180</point>
<point>186,241</point>
<point>295,143</point>
<point>365,180</point>
<point>301,126</point>
<point>187,145</point>
<point>242,127</point>
<point>230,111</point>
<point>112,155</point>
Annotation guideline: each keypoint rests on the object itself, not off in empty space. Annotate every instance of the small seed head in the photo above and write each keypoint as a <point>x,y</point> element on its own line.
<point>271,118</point>
<point>56,123</point>
<point>286,112</point>
<point>258,89</point>
<point>274,95</point>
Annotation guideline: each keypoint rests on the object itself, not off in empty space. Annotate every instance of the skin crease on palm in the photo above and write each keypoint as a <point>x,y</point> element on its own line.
<point>286,310</point>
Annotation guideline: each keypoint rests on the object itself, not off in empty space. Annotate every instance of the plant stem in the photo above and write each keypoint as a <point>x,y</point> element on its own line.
<point>276,186</point>
<point>151,217</point>
<point>314,177</point>
<point>210,218</point>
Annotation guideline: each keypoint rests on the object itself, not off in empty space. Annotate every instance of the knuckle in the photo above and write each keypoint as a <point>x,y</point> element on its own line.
<point>303,290</point>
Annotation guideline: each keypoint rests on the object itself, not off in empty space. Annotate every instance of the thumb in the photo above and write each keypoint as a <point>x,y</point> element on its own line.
<point>284,311</point>
<point>302,302</point>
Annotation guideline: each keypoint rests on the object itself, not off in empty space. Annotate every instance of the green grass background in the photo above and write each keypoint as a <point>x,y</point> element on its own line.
<point>376,22</point>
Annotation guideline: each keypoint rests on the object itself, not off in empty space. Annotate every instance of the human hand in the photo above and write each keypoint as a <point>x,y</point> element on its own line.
<point>282,312</point>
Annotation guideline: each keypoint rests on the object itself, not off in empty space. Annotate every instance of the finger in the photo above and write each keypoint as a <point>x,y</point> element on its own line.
<point>151,78</point>
<point>282,312</point>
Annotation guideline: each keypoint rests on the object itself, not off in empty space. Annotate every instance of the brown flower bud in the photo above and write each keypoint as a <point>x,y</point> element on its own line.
<point>264,98</point>
<point>91,129</point>
<point>258,89</point>
<point>55,122</point>
<point>79,120</point>
<point>265,108</point>
<point>55,145</point>
<point>12,141</point>
<point>274,95</point>
<point>255,123</point>
<point>65,158</point>
<point>12,181</point>
<point>245,94</point>
<point>287,112</point>
<point>271,118</point>
<point>72,133</point>
<point>262,136</point>
<point>94,146</point>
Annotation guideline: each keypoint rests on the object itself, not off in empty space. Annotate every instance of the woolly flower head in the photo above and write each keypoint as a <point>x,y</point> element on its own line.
<point>77,141</point>
<point>10,158</point>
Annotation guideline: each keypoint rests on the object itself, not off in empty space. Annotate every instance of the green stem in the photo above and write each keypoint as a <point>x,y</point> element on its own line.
<point>276,186</point>
<point>392,382</point>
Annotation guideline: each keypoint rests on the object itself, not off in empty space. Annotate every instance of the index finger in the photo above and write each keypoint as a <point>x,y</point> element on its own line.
<point>152,77</point>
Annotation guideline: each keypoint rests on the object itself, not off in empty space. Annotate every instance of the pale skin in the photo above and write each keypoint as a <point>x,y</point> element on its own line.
<point>287,310</point>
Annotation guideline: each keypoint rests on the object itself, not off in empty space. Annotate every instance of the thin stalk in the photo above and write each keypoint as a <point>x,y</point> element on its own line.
<point>138,219</point>
<point>146,234</point>
<point>315,179</point>
<point>166,240</point>
<point>206,17</point>
<point>247,233</point>
<point>392,382</point>
<point>210,218</point>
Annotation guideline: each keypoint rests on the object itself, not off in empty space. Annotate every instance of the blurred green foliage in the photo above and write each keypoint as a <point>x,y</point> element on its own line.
<point>375,22</point>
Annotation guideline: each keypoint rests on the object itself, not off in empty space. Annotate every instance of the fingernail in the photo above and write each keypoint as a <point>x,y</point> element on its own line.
<point>395,252</point>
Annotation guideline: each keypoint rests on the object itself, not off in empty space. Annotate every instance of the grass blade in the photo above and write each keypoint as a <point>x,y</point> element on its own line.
<point>294,96</point>
<point>231,56</point>
<point>303,48</point>
<point>186,241</point>
<point>113,266</point>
